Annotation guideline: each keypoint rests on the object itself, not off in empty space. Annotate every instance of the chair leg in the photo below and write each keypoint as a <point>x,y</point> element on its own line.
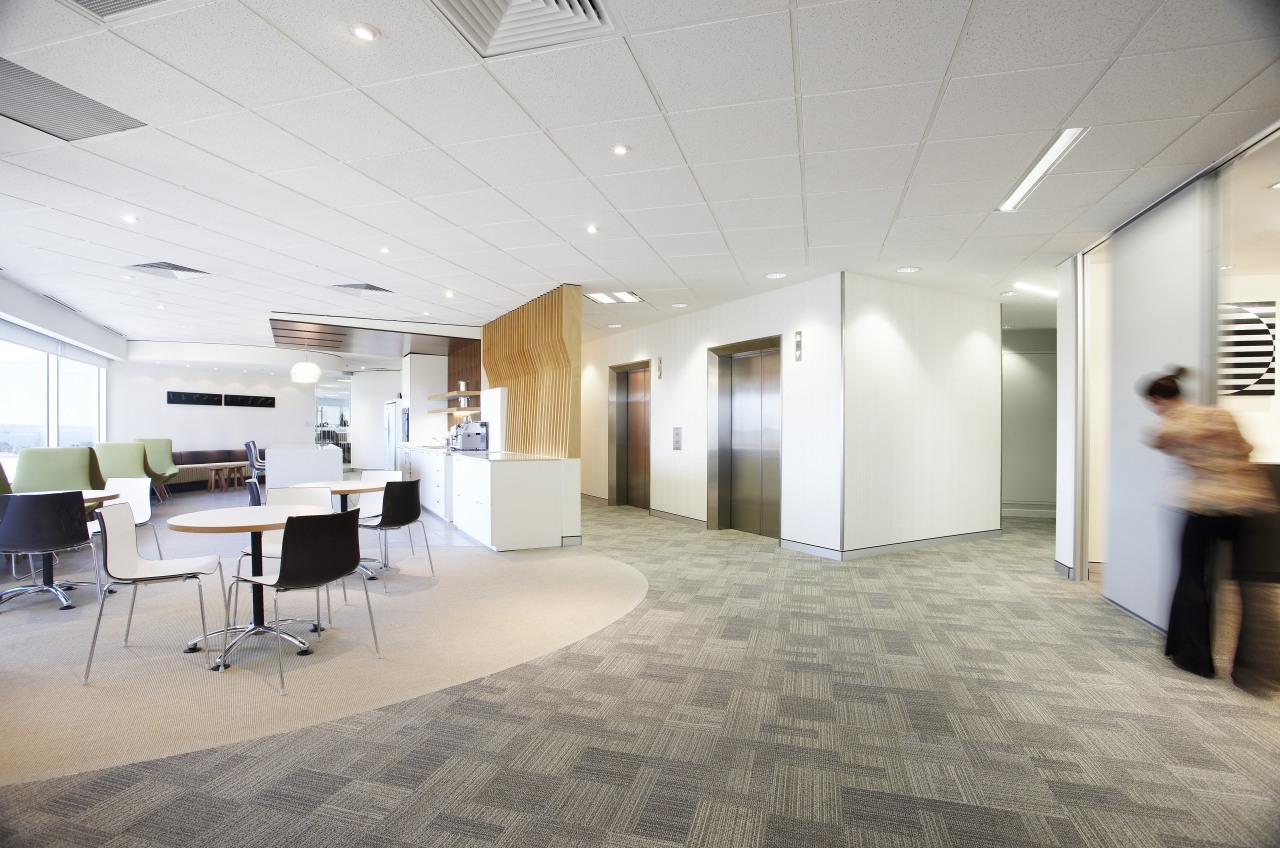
<point>204,625</point>
<point>426,542</point>
<point>93,643</point>
<point>275,600</point>
<point>128,623</point>
<point>386,561</point>
<point>318,629</point>
<point>376,651</point>
<point>152,528</point>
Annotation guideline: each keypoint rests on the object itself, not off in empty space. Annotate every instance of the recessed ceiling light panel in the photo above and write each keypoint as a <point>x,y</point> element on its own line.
<point>628,297</point>
<point>600,297</point>
<point>776,275</point>
<point>907,269</point>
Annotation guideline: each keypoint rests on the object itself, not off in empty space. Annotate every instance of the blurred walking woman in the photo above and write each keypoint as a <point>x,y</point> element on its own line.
<point>1218,487</point>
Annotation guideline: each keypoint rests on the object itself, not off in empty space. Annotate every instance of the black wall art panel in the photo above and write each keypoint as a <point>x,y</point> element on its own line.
<point>1247,348</point>
<point>250,400</point>
<point>195,398</point>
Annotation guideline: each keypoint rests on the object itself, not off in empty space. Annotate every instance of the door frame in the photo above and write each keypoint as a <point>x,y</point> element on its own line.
<point>618,392</point>
<point>720,424</point>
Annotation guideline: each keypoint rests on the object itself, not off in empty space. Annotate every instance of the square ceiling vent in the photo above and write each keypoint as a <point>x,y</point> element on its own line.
<point>42,104</point>
<point>496,27</point>
<point>109,8</point>
<point>170,270</point>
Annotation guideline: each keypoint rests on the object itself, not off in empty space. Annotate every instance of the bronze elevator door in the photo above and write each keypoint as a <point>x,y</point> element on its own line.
<point>755,475</point>
<point>637,490</point>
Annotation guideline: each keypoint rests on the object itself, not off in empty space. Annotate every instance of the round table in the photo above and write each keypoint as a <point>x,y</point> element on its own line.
<point>343,488</point>
<point>253,520</point>
<point>92,497</point>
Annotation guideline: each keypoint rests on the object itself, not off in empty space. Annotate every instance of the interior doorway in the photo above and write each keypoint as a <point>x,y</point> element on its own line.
<point>745,455</point>
<point>629,408</point>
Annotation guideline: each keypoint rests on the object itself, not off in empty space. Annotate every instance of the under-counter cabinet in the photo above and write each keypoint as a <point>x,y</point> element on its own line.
<point>508,501</point>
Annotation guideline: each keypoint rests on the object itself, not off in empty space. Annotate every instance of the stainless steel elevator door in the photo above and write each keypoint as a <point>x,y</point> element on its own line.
<point>638,438</point>
<point>755,434</point>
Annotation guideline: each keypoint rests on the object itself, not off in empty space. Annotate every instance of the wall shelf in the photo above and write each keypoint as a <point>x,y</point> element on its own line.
<point>450,395</point>
<point>455,410</point>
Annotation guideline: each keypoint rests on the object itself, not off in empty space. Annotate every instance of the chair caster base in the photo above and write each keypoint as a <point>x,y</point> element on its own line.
<point>67,606</point>
<point>192,649</point>
<point>304,652</point>
<point>219,666</point>
<point>317,629</point>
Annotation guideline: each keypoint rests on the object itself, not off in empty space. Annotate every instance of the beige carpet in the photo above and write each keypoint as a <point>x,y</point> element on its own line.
<point>482,613</point>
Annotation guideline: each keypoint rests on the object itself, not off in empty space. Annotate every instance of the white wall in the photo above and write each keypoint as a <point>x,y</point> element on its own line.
<point>423,375</point>
<point>1028,422</point>
<point>137,407</point>
<point>370,390</point>
<point>1065,508</point>
<point>811,441</point>
<point>922,414</point>
<point>1158,319</point>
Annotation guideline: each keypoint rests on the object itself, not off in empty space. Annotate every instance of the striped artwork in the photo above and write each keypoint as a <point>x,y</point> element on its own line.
<point>1247,348</point>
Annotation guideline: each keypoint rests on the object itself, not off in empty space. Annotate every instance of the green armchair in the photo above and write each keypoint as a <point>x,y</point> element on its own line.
<point>5,488</point>
<point>159,455</point>
<point>57,469</point>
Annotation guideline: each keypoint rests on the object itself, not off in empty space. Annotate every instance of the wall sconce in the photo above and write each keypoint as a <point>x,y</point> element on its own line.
<point>797,345</point>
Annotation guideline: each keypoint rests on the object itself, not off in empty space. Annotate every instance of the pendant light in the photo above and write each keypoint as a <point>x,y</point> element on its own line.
<point>305,371</point>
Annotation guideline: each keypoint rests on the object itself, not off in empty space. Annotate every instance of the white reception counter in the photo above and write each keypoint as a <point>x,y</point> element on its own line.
<point>506,501</point>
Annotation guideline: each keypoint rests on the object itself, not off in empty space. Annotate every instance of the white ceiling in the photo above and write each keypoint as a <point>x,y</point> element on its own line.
<point>282,155</point>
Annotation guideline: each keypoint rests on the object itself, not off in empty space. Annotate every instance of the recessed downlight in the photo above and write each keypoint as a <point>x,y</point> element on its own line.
<point>129,219</point>
<point>1008,294</point>
<point>1225,267</point>
<point>593,229</point>
<point>448,294</point>
<point>1277,185</point>
<point>1032,288</point>
<point>907,269</point>
<point>384,250</point>
<point>776,275</point>
<point>125,277</point>
<point>614,326</point>
<point>426,313</point>
<point>679,305</point>
<point>366,32</point>
<point>159,306</point>
<point>623,150</point>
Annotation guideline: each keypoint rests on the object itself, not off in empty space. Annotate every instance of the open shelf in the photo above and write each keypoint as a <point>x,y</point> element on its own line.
<point>455,410</point>
<point>449,395</point>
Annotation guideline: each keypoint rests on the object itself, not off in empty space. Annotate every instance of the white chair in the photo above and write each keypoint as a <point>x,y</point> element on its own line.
<point>124,567</point>
<point>370,503</point>
<point>136,491</point>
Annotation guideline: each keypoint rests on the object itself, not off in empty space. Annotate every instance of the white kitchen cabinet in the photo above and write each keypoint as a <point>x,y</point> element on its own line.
<point>437,483</point>
<point>508,501</point>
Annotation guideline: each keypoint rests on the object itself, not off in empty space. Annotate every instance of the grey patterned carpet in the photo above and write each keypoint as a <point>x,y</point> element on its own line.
<point>959,696</point>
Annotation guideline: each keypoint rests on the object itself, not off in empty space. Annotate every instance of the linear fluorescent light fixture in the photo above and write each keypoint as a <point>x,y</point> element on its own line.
<point>600,297</point>
<point>1034,289</point>
<point>1056,151</point>
<point>628,297</point>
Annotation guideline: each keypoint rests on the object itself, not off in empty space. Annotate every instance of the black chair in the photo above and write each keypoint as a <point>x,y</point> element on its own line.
<point>317,550</point>
<point>42,524</point>
<point>257,465</point>
<point>401,507</point>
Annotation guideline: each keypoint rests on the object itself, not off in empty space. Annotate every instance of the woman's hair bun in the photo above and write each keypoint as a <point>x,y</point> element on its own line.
<point>1178,372</point>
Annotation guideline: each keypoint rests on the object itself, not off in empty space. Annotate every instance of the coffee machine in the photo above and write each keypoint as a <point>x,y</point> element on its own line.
<point>470,435</point>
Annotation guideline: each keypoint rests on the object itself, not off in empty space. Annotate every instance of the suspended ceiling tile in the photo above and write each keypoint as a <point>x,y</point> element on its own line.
<point>112,71</point>
<point>187,205</point>
<point>1173,85</point>
<point>953,198</point>
<point>335,185</point>
<point>1004,157</point>
<point>591,146</point>
<point>573,228</point>
<point>1010,35</point>
<point>1121,146</point>
<point>107,210</point>
<point>516,234</point>
<point>208,241</point>
<point>1022,222</point>
<point>419,173</point>
<point>250,141</point>
<point>617,250</point>
<point>646,189</point>
<point>234,52</point>
<point>843,257</point>
<point>1215,135</point>
<point>447,242</point>
<point>854,170</point>
<point>934,227</point>
<point>414,39</point>
<point>1151,183</point>
<point>1104,218</point>
<point>151,151</point>
<point>755,264</point>
<point>1015,246</point>
<point>548,256</point>
<point>774,177</point>
<point>39,188</point>
<point>869,117</point>
<point>868,205</point>
<point>1072,190</point>
<point>397,217</point>
<point>263,233</point>
<point>765,238</point>
<point>851,45</point>
<point>742,131</point>
<point>669,220</point>
<point>27,23</point>
<point>647,15</point>
<point>327,225</point>
<point>81,168</point>
<point>1182,24</point>
<point>1013,102</point>
<point>1261,92</point>
<point>13,204</point>
<point>346,125</point>
<point>705,263</point>
<point>262,197</point>
<point>450,107</point>
<point>581,83</point>
<point>897,253</point>
<point>19,138</point>
<point>848,232</point>
<point>636,270</point>
<point>469,208</point>
<point>515,160</point>
<point>735,61</point>
<point>557,199</point>
<point>424,265</point>
<point>759,212</point>
<point>689,244</point>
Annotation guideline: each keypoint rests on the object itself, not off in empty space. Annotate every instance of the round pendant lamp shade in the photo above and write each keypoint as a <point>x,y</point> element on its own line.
<point>305,372</point>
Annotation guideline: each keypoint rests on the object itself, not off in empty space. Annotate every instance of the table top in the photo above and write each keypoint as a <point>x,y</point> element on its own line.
<point>224,464</point>
<point>345,487</point>
<point>240,519</point>
<point>91,496</point>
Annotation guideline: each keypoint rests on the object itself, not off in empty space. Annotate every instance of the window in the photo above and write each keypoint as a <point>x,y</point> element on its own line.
<point>24,412</point>
<point>77,403</point>
<point>48,399</point>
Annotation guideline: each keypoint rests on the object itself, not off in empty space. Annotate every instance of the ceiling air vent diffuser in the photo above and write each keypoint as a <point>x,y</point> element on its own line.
<point>362,288</point>
<point>108,8</point>
<point>170,270</point>
<point>495,27</point>
<point>40,103</point>
<point>63,304</point>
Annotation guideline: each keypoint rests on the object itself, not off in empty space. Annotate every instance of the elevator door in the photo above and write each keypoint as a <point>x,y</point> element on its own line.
<point>638,438</point>
<point>756,438</point>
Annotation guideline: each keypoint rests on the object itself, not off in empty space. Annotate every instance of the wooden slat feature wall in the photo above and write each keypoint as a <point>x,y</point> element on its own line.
<point>464,364</point>
<point>536,353</point>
